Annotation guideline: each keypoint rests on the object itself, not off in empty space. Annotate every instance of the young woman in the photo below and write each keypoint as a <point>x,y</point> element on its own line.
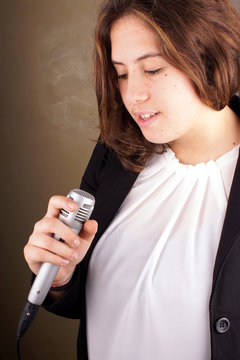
<point>155,275</point>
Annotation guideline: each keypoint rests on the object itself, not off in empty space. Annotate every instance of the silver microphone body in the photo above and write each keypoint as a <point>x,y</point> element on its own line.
<point>75,221</point>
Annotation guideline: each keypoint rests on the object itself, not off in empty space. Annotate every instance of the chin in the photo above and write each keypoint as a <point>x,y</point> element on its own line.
<point>152,138</point>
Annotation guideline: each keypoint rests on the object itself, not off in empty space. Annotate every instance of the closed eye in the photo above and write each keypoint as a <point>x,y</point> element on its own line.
<point>122,76</point>
<point>153,72</point>
<point>148,72</point>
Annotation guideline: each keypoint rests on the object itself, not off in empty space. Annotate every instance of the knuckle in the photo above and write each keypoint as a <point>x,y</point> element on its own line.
<point>25,250</point>
<point>37,226</point>
<point>30,242</point>
<point>52,203</point>
<point>50,245</point>
<point>44,242</point>
<point>48,223</point>
<point>52,200</point>
<point>41,257</point>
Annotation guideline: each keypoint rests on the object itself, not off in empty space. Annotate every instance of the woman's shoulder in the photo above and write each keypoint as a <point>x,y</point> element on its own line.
<point>100,157</point>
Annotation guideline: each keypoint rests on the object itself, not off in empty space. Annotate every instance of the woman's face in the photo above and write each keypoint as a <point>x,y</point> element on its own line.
<point>159,97</point>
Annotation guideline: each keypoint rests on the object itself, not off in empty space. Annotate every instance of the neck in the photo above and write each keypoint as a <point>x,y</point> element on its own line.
<point>216,135</point>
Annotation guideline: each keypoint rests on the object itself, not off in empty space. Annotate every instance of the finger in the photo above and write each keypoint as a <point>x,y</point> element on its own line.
<point>57,202</point>
<point>36,255</point>
<point>51,225</point>
<point>86,236</point>
<point>57,247</point>
<point>89,230</point>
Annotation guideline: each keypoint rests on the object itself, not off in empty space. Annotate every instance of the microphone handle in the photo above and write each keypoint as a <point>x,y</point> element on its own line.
<point>44,279</point>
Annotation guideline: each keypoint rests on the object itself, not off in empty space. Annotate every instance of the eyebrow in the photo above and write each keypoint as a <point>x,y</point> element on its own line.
<point>143,57</point>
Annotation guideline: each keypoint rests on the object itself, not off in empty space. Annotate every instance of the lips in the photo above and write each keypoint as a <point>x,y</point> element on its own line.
<point>145,118</point>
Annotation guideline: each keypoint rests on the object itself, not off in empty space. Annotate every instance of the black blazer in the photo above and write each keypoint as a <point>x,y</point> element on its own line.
<point>110,183</point>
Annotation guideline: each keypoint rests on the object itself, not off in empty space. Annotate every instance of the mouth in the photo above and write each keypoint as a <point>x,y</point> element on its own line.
<point>146,118</point>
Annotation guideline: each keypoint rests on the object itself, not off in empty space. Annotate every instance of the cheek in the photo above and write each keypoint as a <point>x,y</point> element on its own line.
<point>185,90</point>
<point>122,92</point>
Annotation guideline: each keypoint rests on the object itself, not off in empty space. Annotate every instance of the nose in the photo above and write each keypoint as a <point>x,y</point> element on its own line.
<point>137,90</point>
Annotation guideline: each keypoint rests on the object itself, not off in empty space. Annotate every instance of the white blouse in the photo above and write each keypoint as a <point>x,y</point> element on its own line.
<point>150,275</point>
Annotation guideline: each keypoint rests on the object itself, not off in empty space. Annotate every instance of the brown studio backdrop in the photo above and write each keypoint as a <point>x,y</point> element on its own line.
<point>48,124</point>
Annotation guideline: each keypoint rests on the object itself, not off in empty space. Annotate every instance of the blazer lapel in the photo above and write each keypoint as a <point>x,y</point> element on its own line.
<point>113,189</point>
<point>231,225</point>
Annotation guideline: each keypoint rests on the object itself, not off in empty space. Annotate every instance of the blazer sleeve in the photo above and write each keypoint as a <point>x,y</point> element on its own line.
<point>70,304</point>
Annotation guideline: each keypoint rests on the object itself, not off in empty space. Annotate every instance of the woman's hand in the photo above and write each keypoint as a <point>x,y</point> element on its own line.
<point>42,247</point>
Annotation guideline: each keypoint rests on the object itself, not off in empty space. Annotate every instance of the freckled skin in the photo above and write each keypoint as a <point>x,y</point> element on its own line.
<point>157,93</point>
<point>182,118</point>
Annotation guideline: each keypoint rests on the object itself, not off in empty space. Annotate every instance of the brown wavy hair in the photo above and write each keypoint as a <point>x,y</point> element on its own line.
<point>199,37</point>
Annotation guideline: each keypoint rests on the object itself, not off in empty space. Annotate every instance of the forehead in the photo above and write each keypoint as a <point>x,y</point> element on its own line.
<point>131,34</point>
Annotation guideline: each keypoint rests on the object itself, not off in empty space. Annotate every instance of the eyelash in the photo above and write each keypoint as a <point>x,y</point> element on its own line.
<point>147,72</point>
<point>153,72</point>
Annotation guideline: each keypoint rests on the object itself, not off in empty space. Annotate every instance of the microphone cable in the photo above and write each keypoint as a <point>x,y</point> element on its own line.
<point>18,348</point>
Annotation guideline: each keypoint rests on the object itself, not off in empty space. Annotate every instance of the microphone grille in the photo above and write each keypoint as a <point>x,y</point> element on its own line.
<point>83,213</point>
<point>65,213</point>
<point>86,203</point>
<point>84,193</point>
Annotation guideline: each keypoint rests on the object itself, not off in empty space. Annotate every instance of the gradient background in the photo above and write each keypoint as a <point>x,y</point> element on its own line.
<point>48,129</point>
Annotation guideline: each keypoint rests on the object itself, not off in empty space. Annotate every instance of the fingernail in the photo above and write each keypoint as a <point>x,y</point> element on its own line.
<point>72,205</point>
<point>74,256</point>
<point>65,262</point>
<point>76,242</point>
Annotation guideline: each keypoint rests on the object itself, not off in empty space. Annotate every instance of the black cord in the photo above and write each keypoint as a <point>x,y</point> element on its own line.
<point>18,348</point>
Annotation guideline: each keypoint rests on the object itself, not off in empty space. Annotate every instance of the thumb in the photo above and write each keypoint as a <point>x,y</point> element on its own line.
<point>89,230</point>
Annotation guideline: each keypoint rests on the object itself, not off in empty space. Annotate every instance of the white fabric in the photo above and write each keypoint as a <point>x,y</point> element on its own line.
<point>150,275</point>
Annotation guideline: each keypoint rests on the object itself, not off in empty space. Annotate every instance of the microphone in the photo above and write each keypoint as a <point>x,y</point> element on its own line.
<point>48,271</point>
